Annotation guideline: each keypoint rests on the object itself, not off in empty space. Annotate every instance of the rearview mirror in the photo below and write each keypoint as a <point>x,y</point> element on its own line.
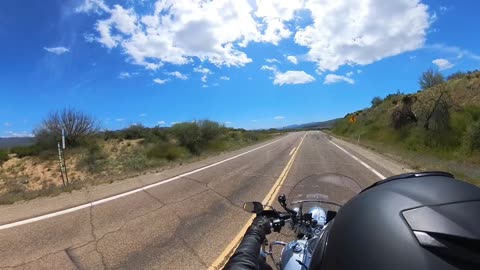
<point>253,207</point>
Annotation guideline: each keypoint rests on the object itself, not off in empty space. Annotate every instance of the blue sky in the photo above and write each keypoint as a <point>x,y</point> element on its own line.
<point>247,63</point>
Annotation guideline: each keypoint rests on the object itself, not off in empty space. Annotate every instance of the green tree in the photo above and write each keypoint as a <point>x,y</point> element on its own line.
<point>430,78</point>
<point>376,101</point>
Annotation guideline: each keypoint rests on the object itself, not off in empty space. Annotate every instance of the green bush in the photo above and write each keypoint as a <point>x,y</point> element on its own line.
<point>3,156</point>
<point>471,141</point>
<point>25,151</point>
<point>166,151</point>
<point>188,135</point>
<point>136,162</point>
<point>135,132</point>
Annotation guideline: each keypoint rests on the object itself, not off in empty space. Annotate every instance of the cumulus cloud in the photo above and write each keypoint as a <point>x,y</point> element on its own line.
<point>335,33</point>
<point>272,60</point>
<point>442,64</point>
<point>56,50</point>
<point>225,78</point>
<point>126,75</point>
<point>161,122</point>
<point>160,81</point>
<point>292,59</point>
<point>279,117</point>
<point>333,78</point>
<point>362,31</point>
<point>292,77</point>
<point>349,74</point>
<point>178,75</point>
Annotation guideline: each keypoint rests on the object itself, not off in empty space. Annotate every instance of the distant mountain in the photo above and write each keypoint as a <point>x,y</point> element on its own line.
<point>314,125</point>
<point>16,141</point>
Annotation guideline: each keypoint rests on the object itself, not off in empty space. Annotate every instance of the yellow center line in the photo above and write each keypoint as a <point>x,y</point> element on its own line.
<point>269,199</point>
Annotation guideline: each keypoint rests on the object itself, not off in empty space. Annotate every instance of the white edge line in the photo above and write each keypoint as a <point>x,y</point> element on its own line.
<point>361,162</point>
<point>97,202</point>
<point>293,150</point>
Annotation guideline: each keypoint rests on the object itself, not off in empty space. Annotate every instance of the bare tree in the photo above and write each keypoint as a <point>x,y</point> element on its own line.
<point>430,78</point>
<point>403,115</point>
<point>76,125</point>
<point>436,112</point>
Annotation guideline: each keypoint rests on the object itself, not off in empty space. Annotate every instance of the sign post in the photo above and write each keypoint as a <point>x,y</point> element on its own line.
<point>61,162</point>
<point>64,159</point>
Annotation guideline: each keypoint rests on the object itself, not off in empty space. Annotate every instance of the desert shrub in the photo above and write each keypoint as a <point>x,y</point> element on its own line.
<point>136,162</point>
<point>471,141</point>
<point>166,151</point>
<point>209,130</point>
<point>94,160</point>
<point>376,101</point>
<point>135,132</point>
<point>188,135</point>
<point>3,155</point>
<point>25,151</point>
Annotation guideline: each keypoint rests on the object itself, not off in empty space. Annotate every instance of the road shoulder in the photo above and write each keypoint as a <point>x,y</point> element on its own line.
<point>41,206</point>
<point>381,162</point>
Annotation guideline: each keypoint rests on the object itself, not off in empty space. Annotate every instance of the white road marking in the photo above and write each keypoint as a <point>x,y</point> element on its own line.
<point>293,150</point>
<point>83,206</point>
<point>361,162</point>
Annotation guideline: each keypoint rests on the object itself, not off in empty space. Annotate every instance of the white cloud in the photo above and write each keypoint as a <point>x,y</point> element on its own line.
<point>272,60</point>
<point>412,57</point>
<point>271,68</point>
<point>335,33</point>
<point>225,78</point>
<point>173,123</point>
<point>292,59</point>
<point>56,50</point>
<point>204,71</point>
<point>89,37</point>
<point>359,71</point>
<point>178,75</point>
<point>349,74</point>
<point>459,52</point>
<point>160,81</point>
<point>161,122</point>
<point>228,122</point>
<point>142,115</point>
<point>279,117</point>
<point>120,119</point>
<point>204,86</point>
<point>10,133</point>
<point>442,64</point>
<point>333,78</point>
<point>292,77</point>
<point>362,31</point>
<point>126,75</point>
<point>97,6</point>
<point>7,124</point>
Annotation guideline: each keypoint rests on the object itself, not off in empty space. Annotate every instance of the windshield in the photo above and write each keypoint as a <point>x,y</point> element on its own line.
<point>329,191</point>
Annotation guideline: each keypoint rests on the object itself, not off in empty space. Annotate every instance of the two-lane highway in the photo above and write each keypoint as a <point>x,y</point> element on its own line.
<point>186,223</point>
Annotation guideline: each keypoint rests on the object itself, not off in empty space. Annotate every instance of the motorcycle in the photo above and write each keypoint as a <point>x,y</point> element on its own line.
<point>313,204</point>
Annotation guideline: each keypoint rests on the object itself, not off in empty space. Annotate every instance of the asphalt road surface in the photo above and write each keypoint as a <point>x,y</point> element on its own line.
<point>187,223</point>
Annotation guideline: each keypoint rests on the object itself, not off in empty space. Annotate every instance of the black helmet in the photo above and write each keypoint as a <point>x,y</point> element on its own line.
<point>411,221</point>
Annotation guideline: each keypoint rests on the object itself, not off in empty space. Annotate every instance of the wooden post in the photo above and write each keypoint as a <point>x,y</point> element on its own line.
<point>60,162</point>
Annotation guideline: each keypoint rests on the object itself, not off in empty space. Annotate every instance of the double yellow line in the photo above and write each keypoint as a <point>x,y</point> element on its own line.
<point>269,199</point>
